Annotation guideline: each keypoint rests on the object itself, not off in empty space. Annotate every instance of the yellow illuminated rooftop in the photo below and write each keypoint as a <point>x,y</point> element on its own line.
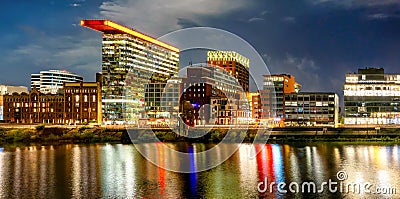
<point>110,27</point>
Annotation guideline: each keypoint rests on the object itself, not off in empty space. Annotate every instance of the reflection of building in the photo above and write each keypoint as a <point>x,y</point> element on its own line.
<point>82,102</point>
<point>203,82</point>
<point>52,80</point>
<point>311,109</point>
<point>5,90</point>
<point>130,60</point>
<point>236,64</point>
<point>275,87</point>
<point>372,97</point>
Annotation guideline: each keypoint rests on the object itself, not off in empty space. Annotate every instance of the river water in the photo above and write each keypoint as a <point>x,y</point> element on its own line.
<point>120,171</point>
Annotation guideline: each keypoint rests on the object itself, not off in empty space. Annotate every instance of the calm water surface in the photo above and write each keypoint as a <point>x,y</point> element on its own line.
<point>119,171</point>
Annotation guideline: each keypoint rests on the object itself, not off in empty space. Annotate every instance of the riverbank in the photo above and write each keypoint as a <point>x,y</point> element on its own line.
<point>86,134</point>
<point>42,134</point>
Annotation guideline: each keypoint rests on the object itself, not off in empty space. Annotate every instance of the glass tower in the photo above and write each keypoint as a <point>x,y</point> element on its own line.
<point>130,62</point>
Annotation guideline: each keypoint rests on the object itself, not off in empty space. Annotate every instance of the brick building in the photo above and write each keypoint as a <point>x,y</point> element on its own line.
<point>82,102</point>
<point>234,63</point>
<point>77,103</point>
<point>33,107</point>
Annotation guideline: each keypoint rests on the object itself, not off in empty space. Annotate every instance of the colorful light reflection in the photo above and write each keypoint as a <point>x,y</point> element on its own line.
<point>192,174</point>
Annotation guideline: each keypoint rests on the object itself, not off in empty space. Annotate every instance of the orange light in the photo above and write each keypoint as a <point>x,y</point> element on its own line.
<point>111,25</point>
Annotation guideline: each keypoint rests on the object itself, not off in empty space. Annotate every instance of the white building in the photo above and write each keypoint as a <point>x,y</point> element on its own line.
<point>48,82</point>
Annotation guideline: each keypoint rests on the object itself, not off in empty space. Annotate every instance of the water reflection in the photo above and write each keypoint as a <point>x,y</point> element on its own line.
<point>109,171</point>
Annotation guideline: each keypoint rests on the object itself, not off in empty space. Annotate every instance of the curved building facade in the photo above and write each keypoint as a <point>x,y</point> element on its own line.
<point>48,82</point>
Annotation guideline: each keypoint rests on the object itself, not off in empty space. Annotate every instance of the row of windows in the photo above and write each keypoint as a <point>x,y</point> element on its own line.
<point>80,90</point>
<point>367,104</point>
<point>26,99</point>
<point>27,105</point>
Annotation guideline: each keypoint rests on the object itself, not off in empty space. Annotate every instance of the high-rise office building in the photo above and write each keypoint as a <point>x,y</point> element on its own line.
<point>237,65</point>
<point>130,61</point>
<point>48,82</point>
<point>372,97</point>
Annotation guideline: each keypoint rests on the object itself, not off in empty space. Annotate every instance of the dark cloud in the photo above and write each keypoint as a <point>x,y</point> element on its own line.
<point>187,23</point>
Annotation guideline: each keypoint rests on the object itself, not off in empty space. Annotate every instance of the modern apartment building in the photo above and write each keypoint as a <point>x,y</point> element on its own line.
<point>372,97</point>
<point>311,109</point>
<point>237,65</point>
<point>48,82</point>
<point>275,87</point>
<point>130,61</point>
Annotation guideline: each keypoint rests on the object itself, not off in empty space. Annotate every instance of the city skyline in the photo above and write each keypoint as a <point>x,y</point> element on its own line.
<point>316,41</point>
<point>200,99</point>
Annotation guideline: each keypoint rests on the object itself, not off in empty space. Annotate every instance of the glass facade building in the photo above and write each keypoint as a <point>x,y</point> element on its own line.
<point>372,97</point>
<point>311,109</point>
<point>275,87</point>
<point>131,62</point>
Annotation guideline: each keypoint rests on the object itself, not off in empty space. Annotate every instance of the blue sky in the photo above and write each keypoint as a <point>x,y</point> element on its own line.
<point>318,41</point>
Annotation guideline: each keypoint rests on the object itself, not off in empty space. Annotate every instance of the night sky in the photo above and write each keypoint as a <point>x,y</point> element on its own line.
<point>318,41</point>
